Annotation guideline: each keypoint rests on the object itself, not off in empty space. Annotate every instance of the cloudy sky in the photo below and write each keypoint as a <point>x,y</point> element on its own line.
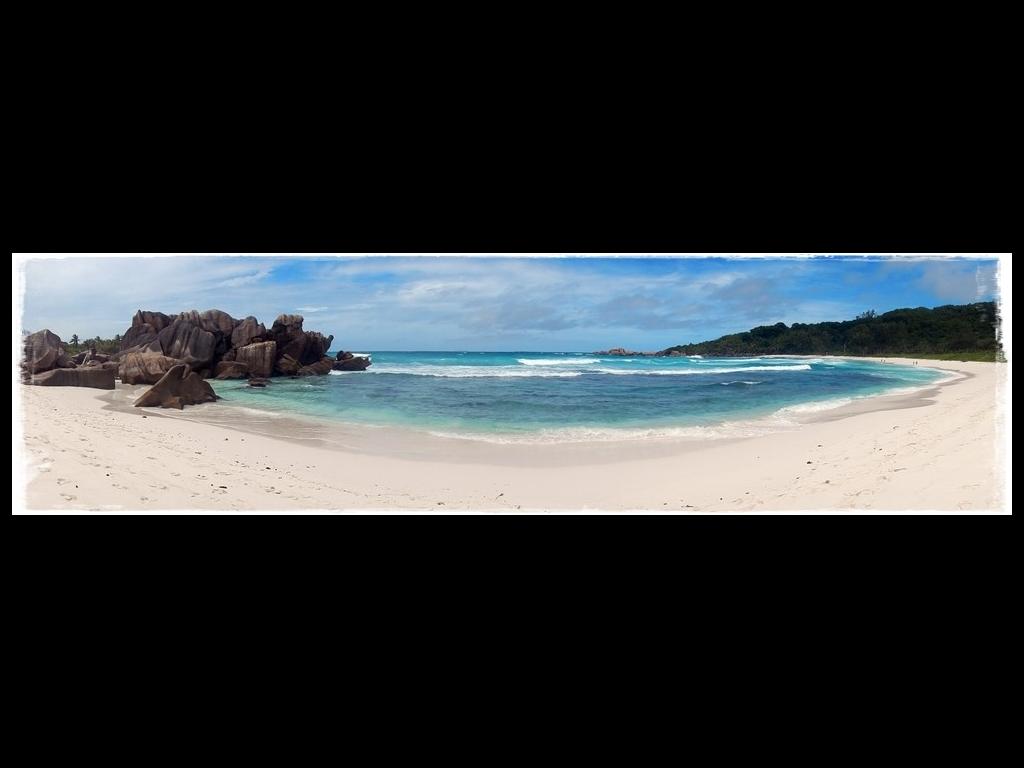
<point>494,303</point>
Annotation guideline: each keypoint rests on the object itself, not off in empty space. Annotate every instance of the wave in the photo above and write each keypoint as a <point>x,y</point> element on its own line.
<point>700,371</point>
<point>471,371</point>
<point>572,361</point>
<point>512,371</point>
<point>735,360</point>
<point>727,383</point>
<point>815,407</point>
<point>616,434</point>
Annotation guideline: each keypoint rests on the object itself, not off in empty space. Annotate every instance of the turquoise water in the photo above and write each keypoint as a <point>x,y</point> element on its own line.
<point>510,396</point>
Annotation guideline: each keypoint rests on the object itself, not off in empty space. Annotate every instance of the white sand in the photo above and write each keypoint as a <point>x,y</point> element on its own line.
<point>935,449</point>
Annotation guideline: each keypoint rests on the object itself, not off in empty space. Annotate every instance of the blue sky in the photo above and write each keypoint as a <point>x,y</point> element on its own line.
<point>495,303</point>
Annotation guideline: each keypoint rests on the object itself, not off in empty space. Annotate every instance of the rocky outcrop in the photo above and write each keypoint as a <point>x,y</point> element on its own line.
<point>247,331</point>
<point>231,370</point>
<point>346,361</point>
<point>144,368</point>
<point>316,347</point>
<point>145,327</point>
<point>206,340</point>
<point>43,352</point>
<point>258,382</point>
<point>322,366</point>
<point>287,365</point>
<point>294,349</point>
<point>96,377</point>
<point>216,321</point>
<point>287,324</point>
<point>179,387</point>
<point>621,352</point>
<point>259,357</point>
<point>185,339</point>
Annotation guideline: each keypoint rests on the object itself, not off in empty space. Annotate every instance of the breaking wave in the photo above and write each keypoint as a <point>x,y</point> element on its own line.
<point>494,371</point>
<point>569,361</point>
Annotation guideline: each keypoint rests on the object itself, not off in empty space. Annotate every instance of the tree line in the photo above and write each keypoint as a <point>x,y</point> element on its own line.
<point>102,346</point>
<point>951,330</point>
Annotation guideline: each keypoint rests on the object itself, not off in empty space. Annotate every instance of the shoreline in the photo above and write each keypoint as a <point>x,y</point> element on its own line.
<point>595,444</point>
<point>210,457</point>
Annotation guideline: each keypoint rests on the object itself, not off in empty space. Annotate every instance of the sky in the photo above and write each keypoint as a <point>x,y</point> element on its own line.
<point>495,303</point>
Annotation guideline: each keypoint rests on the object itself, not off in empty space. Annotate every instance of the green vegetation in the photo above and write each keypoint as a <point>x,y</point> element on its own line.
<point>102,346</point>
<point>965,332</point>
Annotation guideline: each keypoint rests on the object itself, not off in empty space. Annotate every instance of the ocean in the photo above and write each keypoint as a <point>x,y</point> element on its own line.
<point>566,397</point>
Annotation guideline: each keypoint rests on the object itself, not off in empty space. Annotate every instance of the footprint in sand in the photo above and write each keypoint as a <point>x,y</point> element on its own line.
<point>68,496</point>
<point>62,480</point>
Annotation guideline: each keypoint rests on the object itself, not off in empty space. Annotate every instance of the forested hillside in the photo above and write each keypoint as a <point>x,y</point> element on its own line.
<point>947,331</point>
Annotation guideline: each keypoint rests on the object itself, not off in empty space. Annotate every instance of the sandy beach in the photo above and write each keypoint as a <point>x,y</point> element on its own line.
<point>931,449</point>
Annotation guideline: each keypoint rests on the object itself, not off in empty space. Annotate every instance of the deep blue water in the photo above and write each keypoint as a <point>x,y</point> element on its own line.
<point>520,395</point>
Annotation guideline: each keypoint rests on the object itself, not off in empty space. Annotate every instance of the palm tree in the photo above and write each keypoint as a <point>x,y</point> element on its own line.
<point>74,339</point>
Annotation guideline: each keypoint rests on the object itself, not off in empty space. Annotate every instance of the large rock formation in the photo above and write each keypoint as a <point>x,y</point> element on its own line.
<point>231,370</point>
<point>287,324</point>
<point>212,344</point>
<point>287,365</point>
<point>259,357</point>
<point>316,347</point>
<point>144,367</point>
<point>145,327</point>
<point>321,366</point>
<point>97,377</point>
<point>44,351</point>
<point>346,361</point>
<point>205,340</point>
<point>185,339</point>
<point>247,331</point>
<point>179,387</point>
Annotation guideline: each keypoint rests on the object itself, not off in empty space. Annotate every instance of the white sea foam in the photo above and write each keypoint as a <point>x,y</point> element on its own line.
<point>733,360</point>
<point>514,371</point>
<point>570,361</point>
<point>814,407</point>
<point>618,434</point>
<point>258,412</point>
<point>698,371</point>
<point>472,371</point>
<point>727,383</point>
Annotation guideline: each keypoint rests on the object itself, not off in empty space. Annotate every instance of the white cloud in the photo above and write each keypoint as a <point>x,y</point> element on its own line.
<point>249,279</point>
<point>958,282</point>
